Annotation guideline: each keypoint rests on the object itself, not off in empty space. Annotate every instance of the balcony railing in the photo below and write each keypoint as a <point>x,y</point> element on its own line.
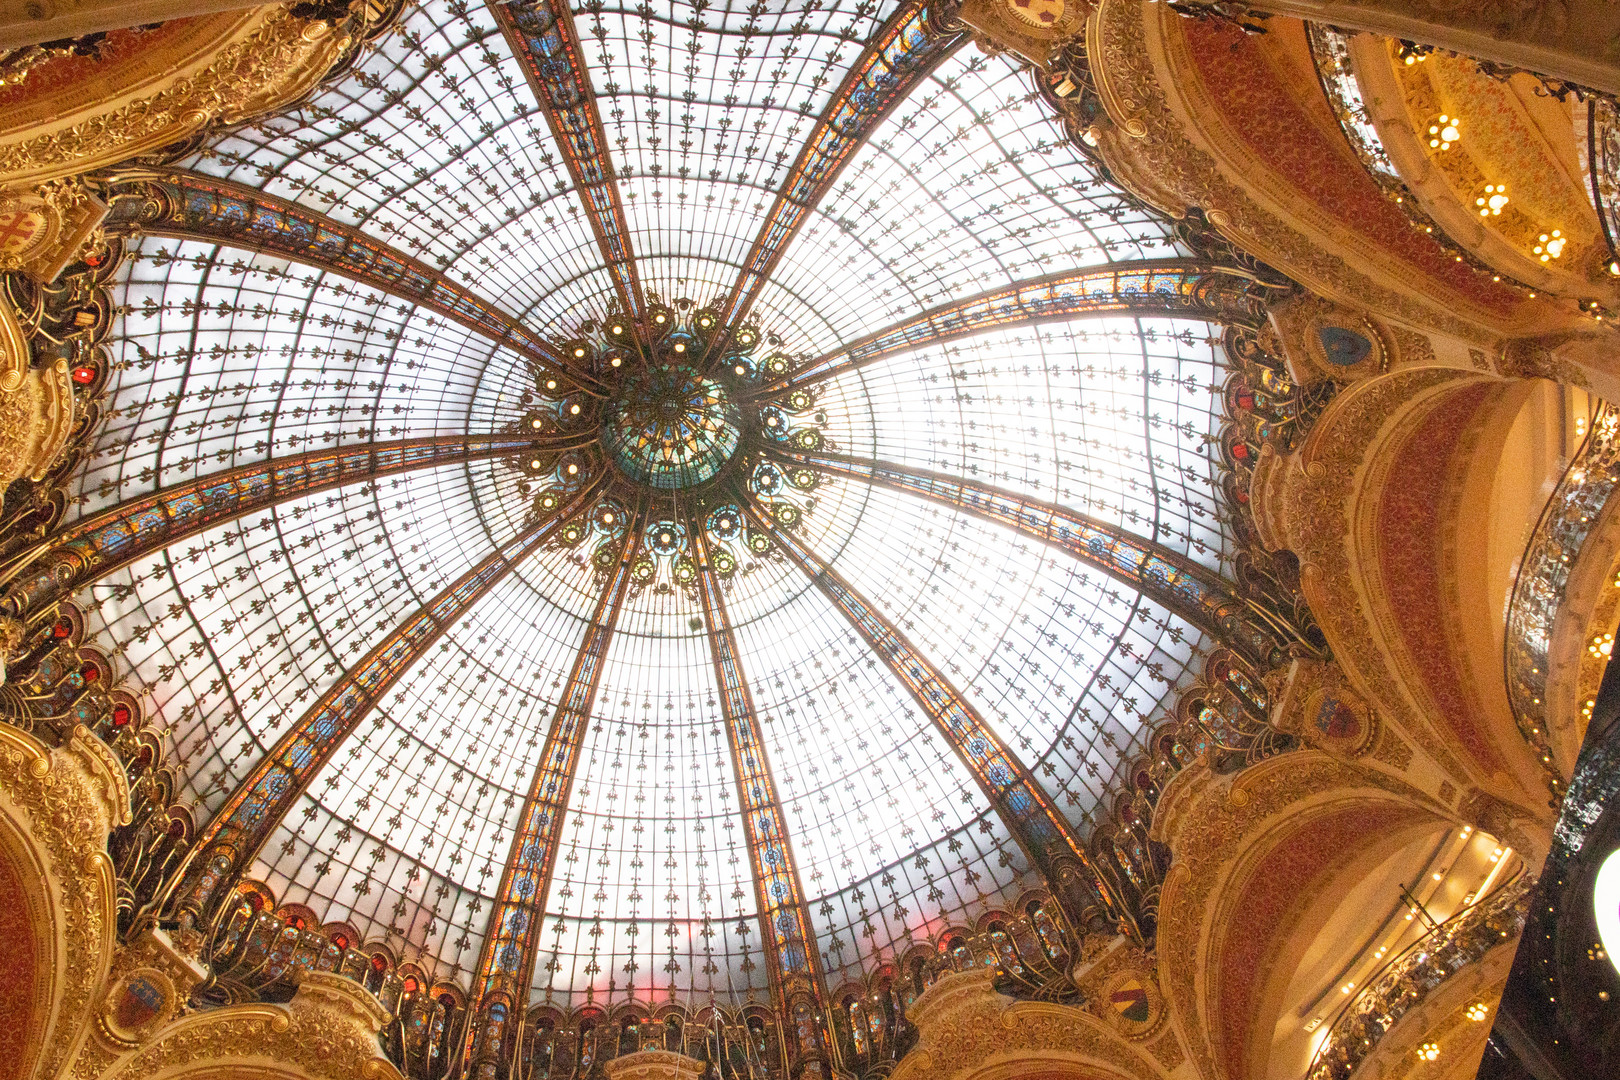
<point>1406,981</point>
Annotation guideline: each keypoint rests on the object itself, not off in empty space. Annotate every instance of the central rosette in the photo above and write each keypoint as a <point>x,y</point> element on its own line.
<point>671,428</point>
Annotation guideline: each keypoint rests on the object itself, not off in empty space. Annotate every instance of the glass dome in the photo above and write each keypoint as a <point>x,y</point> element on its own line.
<point>671,428</point>
<point>793,247</point>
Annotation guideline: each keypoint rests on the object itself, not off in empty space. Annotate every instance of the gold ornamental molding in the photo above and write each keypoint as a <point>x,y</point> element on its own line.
<point>223,69</point>
<point>654,1065</point>
<point>968,1030</point>
<point>1156,145</point>
<point>60,804</point>
<point>1220,827</point>
<point>328,1032</point>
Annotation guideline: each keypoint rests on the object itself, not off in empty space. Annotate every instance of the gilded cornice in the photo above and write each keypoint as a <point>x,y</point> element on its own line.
<point>967,1028</point>
<point>242,64</point>
<point>1150,150</point>
<point>67,800</point>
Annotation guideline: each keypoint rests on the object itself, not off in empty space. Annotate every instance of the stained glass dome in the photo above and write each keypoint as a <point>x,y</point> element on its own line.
<point>688,667</point>
<point>672,428</point>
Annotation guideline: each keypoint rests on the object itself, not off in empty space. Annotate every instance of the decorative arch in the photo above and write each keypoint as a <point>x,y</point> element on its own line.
<point>1373,506</point>
<point>1201,115</point>
<point>328,1032</point>
<point>1257,854</point>
<point>967,1031</point>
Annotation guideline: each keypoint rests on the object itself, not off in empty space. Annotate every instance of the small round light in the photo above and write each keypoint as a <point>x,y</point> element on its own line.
<point>573,410</point>
<point>572,469</point>
<point>680,346</point>
<point>551,384</point>
<point>615,361</point>
<point>579,352</point>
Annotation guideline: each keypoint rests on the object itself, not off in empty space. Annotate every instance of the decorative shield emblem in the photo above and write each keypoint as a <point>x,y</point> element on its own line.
<point>1130,1000</point>
<point>1336,719</point>
<point>1133,1003</point>
<point>1344,348</point>
<point>20,231</point>
<point>137,1005</point>
<point>1042,13</point>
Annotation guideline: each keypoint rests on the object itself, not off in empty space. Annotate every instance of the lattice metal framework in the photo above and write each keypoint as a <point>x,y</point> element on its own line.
<point>430,239</point>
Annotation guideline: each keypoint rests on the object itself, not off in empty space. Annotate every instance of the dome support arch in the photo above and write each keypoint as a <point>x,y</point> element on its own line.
<point>898,58</point>
<point>798,983</point>
<point>1038,826</point>
<point>95,546</point>
<point>233,838</point>
<point>506,960</point>
<point>1190,288</point>
<point>540,35</point>
<point>1196,593</point>
<point>188,206</point>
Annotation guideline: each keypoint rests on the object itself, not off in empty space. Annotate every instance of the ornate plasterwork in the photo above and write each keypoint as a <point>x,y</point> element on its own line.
<point>966,1028</point>
<point>654,1065</point>
<point>1151,148</point>
<point>36,404</point>
<point>1303,502</point>
<point>44,228</point>
<point>1217,825</point>
<point>328,1031</point>
<point>262,59</point>
<point>63,802</point>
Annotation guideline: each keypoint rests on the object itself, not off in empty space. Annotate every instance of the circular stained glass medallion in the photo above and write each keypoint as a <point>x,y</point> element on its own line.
<point>671,428</point>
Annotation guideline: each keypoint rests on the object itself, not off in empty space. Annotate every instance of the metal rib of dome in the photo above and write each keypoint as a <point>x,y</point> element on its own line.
<point>528,673</point>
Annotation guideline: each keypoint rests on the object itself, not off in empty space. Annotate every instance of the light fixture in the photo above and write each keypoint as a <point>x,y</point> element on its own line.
<point>1443,132</point>
<point>1550,246</point>
<point>1606,905</point>
<point>1428,1051</point>
<point>1478,1011</point>
<point>1490,204</point>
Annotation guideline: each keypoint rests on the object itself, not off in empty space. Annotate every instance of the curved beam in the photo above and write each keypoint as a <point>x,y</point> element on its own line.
<point>233,838</point>
<point>95,546</point>
<point>1040,829</point>
<point>506,962</point>
<point>899,57</point>
<point>1198,594</point>
<point>542,37</point>
<point>190,206</point>
<point>798,984</point>
<point>1191,288</point>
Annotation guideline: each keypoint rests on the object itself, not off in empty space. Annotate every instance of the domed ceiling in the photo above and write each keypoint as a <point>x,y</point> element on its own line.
<point>707,337</point>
